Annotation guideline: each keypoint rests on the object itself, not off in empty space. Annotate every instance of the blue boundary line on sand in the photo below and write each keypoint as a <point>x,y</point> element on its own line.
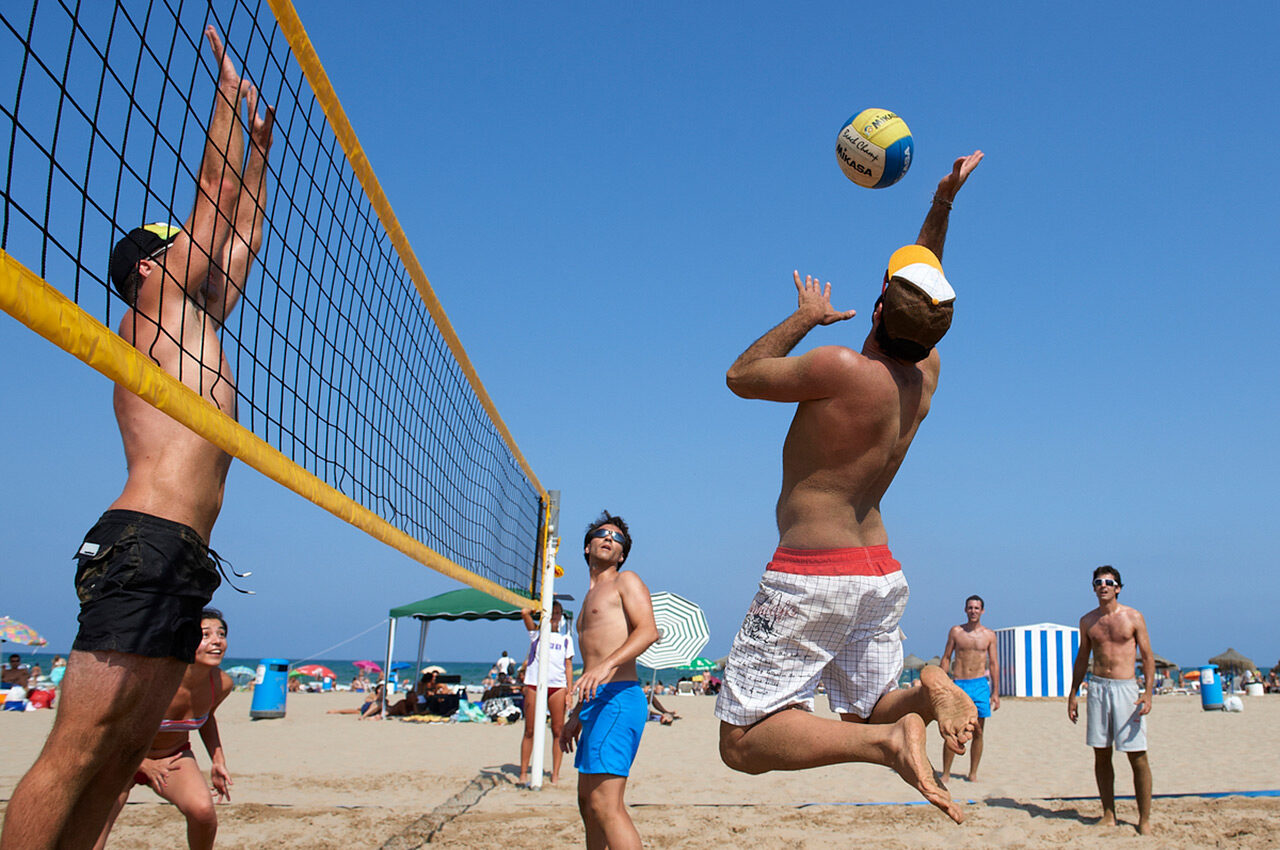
<point>1211,795</point>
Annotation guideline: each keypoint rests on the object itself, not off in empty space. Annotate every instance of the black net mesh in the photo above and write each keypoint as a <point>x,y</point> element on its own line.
<point>337,360</point>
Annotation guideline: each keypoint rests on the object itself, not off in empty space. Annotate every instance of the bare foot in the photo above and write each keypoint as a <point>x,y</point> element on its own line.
<point>523,780</point>
<point>952,708</point>
<point>972,777</point>
<point>1107,819</point>
<point>912,764</point>
<point>1144,827</point>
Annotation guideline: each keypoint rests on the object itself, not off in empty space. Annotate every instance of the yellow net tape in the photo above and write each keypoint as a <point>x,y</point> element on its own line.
<point>45,310</point>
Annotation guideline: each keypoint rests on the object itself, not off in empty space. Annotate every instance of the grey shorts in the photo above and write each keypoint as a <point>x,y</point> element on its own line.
<point>1112,715</point>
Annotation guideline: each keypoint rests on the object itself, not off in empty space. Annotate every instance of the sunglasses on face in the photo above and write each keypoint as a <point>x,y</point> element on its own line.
<point>612,535</point>
<point>1109,582</point>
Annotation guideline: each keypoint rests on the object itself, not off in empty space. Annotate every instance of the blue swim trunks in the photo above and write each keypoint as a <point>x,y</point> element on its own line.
<point>979,690</point>
<point>611,725</point>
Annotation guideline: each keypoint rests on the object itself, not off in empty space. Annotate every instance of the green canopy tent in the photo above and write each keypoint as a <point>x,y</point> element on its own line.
<point>465,604</point>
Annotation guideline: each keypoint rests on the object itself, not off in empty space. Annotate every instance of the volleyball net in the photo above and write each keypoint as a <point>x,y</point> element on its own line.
<point>352,388</point>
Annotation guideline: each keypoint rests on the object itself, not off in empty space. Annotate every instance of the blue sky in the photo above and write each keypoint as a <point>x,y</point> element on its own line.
<point>609,204</point>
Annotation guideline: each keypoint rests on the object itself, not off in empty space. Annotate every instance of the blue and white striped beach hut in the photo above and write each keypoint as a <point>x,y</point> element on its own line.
<point>1035,661</point>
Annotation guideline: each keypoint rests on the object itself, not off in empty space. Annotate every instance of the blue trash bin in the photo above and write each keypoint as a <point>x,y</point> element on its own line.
<point>270,689</point>
<point>1210,688</point>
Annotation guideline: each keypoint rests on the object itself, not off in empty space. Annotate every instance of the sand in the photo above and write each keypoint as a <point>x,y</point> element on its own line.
<point>312,780</point>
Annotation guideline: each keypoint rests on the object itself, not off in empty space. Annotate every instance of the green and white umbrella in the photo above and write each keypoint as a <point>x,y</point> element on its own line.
<point>682,632</point>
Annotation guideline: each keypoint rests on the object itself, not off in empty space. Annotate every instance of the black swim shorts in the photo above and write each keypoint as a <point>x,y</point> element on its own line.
<point>142,583</point>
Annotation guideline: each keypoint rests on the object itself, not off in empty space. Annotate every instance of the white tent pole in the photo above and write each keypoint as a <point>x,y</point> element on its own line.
<point>544,655</point>
<point>386,671</point>
<point>422,642</point>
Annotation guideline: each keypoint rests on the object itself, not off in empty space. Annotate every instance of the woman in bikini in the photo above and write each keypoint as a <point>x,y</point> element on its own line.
<point>559,681</point>
<point>170,767</point>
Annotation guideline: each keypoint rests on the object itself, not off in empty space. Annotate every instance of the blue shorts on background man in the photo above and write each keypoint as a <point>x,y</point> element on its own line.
<point>979,690</point>
<point>611,725</point>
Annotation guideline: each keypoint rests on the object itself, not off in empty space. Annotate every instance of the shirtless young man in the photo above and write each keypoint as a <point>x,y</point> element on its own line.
<point>1117,714</point>
<point>615,626</point>
<point>829,603</point>
<point>977,673</point>
<point>145,570</point>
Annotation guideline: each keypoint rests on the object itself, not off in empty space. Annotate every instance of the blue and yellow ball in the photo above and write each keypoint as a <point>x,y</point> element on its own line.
<point>874,148</point>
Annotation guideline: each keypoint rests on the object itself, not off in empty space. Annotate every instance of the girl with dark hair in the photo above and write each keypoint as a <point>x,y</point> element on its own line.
<point>170,767</point>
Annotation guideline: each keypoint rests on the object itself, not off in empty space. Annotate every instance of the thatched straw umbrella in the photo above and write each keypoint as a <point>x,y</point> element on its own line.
<point>1232,660</point>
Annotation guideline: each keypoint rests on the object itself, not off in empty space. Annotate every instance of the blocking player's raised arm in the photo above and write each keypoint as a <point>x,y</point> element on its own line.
<point>218,182</point>
<point>933,233</point>
<point>226,280</point>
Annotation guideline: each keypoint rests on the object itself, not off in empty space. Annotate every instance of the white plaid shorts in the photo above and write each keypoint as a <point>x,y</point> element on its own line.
<point>819,615</point>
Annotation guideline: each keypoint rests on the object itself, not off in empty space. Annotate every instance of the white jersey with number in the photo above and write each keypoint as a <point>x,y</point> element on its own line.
<point>561,650</point>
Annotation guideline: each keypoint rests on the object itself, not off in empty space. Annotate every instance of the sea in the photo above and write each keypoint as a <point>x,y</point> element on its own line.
<point>471,672</point>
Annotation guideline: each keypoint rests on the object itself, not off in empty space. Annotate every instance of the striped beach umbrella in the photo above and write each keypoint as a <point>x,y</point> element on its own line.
<point>15,632</point>
<point>682,632</point>
<point>240,675</point>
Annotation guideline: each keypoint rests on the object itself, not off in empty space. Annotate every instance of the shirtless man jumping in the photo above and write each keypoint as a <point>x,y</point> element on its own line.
<point>977,673</point>
<point>1117,714</point>
<point>615,626</point>
<point>829,603</point>
<point>145,570</point>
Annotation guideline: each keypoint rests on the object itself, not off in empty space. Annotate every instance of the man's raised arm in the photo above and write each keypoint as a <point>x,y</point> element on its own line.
<point>933,233</point>
<point>764,370</point>
<point>225,285</point>
<point>200,243</point>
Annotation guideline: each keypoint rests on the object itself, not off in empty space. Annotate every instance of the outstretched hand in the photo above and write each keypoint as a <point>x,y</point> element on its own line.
<point>259,126</point>
<point>949,186</point>
<point>815,301</point>
<point>228,77</point>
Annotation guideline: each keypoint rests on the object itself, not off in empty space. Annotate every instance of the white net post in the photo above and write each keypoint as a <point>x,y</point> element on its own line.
<point>544,633</point>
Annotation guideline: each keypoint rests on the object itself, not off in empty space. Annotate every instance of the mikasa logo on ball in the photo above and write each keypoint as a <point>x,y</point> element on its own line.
<point>874,148</point>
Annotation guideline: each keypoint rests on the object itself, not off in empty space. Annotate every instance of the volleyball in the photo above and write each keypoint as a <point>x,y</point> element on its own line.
<point>874,148</point>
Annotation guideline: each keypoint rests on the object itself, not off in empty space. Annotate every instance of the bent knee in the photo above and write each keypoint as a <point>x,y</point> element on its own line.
<point>201,811</point>
<point>735,755</point>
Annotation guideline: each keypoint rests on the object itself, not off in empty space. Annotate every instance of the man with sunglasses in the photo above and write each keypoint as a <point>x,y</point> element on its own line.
<point>828,607</point>
<point>1114,634</point>
<point>615,625</point>
<point>145,570</point>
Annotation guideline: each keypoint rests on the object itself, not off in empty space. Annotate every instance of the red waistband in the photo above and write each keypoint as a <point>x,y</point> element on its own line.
<point>860,561</point>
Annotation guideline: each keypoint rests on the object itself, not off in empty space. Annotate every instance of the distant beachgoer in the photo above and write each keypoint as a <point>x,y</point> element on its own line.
<point>977,673</point>
<point>145,570</point>
<point>504,664</point>
<point>371,707</point>
<point>15,672</point>
<point>659,712</point>
<point>829,604</point>
<point>1117,716</point>
<point>615,627</point>
<point>58,671</point>
<point>170,767</point>
<point>559,680</point>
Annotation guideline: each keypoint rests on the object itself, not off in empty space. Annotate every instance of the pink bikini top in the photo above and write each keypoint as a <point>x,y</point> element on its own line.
<point>194,723</point>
